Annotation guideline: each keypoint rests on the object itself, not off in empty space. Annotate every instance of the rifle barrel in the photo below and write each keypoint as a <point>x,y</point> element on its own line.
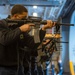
<point>65,24</point>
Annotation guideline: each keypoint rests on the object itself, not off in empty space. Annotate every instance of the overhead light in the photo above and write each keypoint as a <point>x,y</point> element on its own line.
<point>35,14</point>
<point>34,7</point>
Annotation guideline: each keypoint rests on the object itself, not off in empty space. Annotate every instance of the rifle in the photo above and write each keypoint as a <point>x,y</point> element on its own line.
<point>36,20</point>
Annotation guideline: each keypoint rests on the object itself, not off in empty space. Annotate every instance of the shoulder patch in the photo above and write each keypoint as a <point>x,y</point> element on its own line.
<point>21,36</point>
